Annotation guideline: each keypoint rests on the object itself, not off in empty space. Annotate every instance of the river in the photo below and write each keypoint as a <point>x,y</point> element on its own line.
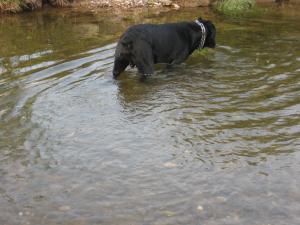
<point>213,141</point>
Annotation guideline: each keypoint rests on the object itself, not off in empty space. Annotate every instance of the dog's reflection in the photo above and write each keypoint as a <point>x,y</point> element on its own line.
<point>135,92</point>
<point>168,85</point>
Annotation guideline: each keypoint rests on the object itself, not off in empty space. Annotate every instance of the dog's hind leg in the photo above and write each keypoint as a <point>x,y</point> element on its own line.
<point>120,65</point>
<point>145,68</point>
<point>144,59</point>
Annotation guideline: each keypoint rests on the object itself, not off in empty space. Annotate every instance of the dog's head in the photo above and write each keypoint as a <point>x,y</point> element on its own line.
<point>210,41</point>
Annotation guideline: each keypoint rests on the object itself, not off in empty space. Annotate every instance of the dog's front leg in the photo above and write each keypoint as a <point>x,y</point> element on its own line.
<point>181,57</point>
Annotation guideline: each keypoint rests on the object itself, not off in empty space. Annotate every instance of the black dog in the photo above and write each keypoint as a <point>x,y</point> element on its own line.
<point>144,45</point>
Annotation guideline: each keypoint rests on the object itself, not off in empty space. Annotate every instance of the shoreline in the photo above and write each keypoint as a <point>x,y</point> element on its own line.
<point>18,6</point>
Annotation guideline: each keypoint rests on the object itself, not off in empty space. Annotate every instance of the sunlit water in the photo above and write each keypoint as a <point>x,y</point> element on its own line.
<point>213,141</point>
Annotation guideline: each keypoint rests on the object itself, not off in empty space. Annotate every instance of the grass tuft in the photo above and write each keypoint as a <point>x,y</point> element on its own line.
<point>234,7</point>
<point>202,52</point>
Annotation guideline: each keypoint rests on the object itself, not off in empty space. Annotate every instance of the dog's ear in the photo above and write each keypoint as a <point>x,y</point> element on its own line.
<point>211,36</point>
<point>200,19</point>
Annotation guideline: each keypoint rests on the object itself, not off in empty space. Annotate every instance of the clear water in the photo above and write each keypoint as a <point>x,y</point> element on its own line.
<point>213,141</point>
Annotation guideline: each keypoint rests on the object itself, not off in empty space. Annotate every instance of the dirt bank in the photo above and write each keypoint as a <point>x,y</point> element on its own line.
<point>146,3</point>
<point>13,6</point>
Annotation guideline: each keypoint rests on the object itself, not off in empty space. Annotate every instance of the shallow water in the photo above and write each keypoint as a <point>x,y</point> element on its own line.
<point>213,141</point>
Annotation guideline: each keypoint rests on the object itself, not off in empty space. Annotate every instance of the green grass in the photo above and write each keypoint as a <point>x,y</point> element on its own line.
<point>235,7</point>
<point>203,52</point>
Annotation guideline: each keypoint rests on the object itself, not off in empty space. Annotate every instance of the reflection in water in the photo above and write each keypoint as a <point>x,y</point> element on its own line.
<point>214,140</point>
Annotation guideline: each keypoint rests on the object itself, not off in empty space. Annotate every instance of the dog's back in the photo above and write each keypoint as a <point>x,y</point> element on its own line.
<point>166,40</point>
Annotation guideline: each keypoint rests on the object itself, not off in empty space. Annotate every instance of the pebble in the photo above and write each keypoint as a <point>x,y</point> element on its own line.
<point>170,165</point>
<point>176,6</point>
<point>221,199</point>
<point>200,208</point>
<point>169,213</point>
<point>64,208</point>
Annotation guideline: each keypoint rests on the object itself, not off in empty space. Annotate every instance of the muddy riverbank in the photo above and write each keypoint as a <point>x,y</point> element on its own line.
<point>15,6</point>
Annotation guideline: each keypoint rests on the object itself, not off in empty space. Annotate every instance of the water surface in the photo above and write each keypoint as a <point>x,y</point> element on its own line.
<point>213,141</point>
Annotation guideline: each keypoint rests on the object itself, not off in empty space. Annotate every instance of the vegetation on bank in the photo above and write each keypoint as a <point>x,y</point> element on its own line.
<point>228,7</point>
<point>29,5</point>
<point>14,6</point>
<point>234,7</point>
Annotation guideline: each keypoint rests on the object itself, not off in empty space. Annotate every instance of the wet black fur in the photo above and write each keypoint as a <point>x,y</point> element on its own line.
<point>144,45</point>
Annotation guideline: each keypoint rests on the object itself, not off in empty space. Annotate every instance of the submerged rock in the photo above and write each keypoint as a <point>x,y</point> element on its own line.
<point>170,165</point>
<point>64,208</point>
<point>200,208</point>
<point>168,213</point>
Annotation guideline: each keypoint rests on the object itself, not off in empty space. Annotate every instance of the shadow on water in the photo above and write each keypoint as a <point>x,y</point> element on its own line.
<point>214,140</point>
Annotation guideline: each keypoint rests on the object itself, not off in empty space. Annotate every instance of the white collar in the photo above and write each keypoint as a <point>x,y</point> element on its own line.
<point>203,37</point>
